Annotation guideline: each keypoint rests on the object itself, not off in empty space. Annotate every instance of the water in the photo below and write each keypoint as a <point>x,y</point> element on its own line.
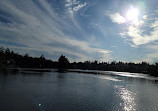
<point>52,91</point>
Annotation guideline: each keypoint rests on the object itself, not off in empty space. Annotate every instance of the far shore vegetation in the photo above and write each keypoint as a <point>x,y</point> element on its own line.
<point>11,59</point>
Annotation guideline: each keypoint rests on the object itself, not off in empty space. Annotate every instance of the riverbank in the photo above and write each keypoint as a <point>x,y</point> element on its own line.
<point>95,72</point>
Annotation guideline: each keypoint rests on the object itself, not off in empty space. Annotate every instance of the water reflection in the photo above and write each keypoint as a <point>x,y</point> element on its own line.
<point>53,91</point>
<point>127,97</point>
<point>108,78</point>
<point>61,75</point>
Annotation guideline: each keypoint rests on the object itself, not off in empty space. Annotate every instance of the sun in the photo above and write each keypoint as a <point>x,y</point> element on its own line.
<point>132,15</point>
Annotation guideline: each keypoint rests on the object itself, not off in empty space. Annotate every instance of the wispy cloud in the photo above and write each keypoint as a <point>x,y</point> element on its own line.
<point>39,28</point>
<point>153,54</point>
<point>150,55</point>
<point>74,6</point>
<point>116,17</point>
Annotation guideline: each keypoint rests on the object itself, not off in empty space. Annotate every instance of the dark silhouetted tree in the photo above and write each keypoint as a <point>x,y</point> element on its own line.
<point>63,62</point>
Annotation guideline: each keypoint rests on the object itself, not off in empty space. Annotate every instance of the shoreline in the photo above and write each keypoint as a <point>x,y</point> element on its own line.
<point>94,72</point>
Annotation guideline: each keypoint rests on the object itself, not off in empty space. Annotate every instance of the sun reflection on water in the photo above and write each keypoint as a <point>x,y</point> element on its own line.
<point>127,97</point>
<point>109,78</point>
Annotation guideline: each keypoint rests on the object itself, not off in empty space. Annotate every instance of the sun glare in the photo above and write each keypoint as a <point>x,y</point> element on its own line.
<point>132,15</point>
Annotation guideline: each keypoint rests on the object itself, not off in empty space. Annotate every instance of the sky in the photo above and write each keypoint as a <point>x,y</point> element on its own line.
<point>103,30</point>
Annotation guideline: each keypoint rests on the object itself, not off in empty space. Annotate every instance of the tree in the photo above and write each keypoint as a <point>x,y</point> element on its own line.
<point>42,58</point>
<point>63,62</point>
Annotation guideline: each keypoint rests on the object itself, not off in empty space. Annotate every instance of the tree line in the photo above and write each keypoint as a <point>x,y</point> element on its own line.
<point>11,59</point>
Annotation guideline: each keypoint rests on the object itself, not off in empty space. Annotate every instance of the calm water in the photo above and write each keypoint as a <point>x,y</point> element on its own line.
<point>52,91</point>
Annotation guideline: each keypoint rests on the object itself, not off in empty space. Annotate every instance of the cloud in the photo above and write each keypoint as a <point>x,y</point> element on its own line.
<point>116,17</point>
<point>79,7</point>
<point>150,55</point>
<point>74,6</point>
<point>139,38</point>
<point>40,29</point>
<point>153,52</point>
<point>136,31</point>
<point>137,34</point>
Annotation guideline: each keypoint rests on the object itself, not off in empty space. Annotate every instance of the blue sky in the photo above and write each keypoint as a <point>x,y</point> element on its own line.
<point>104,30</point>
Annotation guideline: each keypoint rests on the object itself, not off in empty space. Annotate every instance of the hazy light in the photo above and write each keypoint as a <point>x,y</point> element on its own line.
<point>132,14</point>
<point>145,17</point>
